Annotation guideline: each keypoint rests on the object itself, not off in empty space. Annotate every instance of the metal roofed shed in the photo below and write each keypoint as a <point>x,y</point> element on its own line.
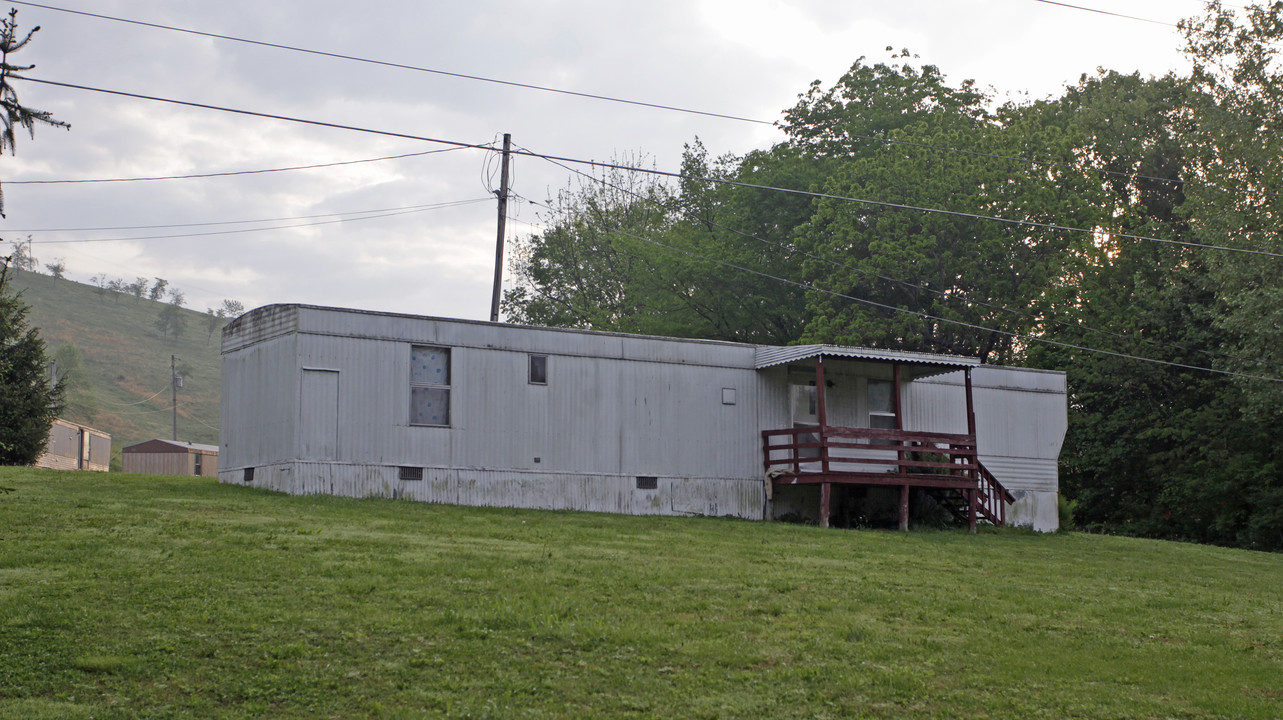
<point>73,446</point>
<point>171,457</point>
<point>359,403</point>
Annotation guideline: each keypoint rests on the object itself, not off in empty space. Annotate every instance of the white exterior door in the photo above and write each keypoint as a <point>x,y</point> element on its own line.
<point>319,415</point>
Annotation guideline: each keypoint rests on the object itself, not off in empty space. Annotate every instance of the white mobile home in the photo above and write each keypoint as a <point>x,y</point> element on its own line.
<point>325,400</point>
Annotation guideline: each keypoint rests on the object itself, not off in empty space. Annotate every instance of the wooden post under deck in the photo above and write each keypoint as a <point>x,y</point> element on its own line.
<point>904,508</point>
<point>821,415</point>
<point>826,493</point>
<point>972,510</point>
<point>899,425</point>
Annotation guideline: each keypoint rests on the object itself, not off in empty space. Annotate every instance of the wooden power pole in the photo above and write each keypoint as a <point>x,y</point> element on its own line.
<point>503,218</point>
<point>173,384</point>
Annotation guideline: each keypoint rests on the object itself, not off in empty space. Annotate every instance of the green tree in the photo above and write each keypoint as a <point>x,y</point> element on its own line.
<point>170,320</point>
<point>29,401</point>
<point>889,274</point>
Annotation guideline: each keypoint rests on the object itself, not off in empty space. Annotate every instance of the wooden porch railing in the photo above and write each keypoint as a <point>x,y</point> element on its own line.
<point>888,457</point>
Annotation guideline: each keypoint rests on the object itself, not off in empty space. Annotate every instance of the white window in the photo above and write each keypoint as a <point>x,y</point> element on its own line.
<point>429,386</point>
<point>881,406</point>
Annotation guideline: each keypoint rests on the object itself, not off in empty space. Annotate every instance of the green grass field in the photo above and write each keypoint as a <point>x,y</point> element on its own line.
<point>127,596</point>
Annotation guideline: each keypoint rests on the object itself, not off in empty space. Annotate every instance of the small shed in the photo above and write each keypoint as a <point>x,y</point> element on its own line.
<point>171,457</point>
<point>72,446</point>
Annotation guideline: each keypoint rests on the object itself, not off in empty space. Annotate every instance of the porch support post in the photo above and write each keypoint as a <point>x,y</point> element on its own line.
<point>904,508</point>
<point>899,425</point>
<point>971,407</point>
<point>821,415</point>
<point>895,396</point>
<point>971,428</point>
<point>826,495</point>
<point>973,508</point>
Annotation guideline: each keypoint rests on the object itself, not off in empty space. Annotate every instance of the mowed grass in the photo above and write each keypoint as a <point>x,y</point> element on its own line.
<point>153,597</point>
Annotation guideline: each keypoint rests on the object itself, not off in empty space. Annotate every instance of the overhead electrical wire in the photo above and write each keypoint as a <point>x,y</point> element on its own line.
<point>724,116</point>
<point>1102,12</point>
<point>260,229</point>
<point>897,206</point>
<point>948,297</point>
<point>663,173</point>
<point>140,402</point>
<point>230,173</point>
<point>245,222</point>
<point>927,316</point>
<point>384,63</point>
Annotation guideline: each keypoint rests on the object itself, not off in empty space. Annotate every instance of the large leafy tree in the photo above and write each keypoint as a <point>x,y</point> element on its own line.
<point>627,252</point>
<point>28,399</point>
<point>889,274</point>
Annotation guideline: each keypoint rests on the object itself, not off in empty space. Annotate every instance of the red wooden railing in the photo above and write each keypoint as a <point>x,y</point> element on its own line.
<point>889,457</point>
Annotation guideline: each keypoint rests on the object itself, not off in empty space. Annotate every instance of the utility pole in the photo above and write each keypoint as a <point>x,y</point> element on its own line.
<point>173,384</point>
<point>503,218</point>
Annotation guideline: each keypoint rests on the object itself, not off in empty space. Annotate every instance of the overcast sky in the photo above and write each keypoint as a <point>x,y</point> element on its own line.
<point>429,254</point>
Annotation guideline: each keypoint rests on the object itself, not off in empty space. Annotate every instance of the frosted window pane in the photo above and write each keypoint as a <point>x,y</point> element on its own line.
<point>429,406</point>
<point>880,397</point>
<point>430,365</point>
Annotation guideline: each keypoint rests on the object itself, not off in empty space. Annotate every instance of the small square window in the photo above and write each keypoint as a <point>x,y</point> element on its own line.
<point>538,369</point>
<point>728,396</point>
<point>248,475</point>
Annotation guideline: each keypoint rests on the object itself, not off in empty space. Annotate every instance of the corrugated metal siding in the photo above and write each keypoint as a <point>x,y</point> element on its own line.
<point>260,325</point>
<point>259,402</point>
<point>1020,419</point>
<point>159,463</point>
<point>607,413</point>
<point>543,491</point>
<point>75,447</point>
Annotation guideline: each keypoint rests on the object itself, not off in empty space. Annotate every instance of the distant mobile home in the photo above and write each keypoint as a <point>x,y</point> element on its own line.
<point>171,457</point>
<point>72,446</point>
<point>355,403</point>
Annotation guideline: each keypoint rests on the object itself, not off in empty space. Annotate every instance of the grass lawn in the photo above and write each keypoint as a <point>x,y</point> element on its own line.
<point>125,596</point>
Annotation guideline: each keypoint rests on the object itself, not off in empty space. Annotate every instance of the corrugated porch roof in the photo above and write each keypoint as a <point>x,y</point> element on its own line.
<point>770,355</point>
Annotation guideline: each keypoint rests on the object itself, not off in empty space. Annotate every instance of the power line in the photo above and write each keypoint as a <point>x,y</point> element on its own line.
<point>926,316</point>
<point>659,106</point>
<point>916,286</point>
<point>399,66</point>
<point>891,205</point>
<point>252,113</point>
<point>227,174</point>
<point>247,222</point>
<point>140,402</point>
<point>260,229</point>
<point>663,173</point>
<point>1092,10</point>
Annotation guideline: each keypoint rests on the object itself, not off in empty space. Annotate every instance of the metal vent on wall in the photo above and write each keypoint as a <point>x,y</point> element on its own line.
<point>410,473</point>
<point>646,482</point>
<point>249,475</point>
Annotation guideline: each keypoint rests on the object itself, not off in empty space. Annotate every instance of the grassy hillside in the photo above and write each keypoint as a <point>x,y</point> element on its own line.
<point>143,597</point>
<point>128,361</point>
